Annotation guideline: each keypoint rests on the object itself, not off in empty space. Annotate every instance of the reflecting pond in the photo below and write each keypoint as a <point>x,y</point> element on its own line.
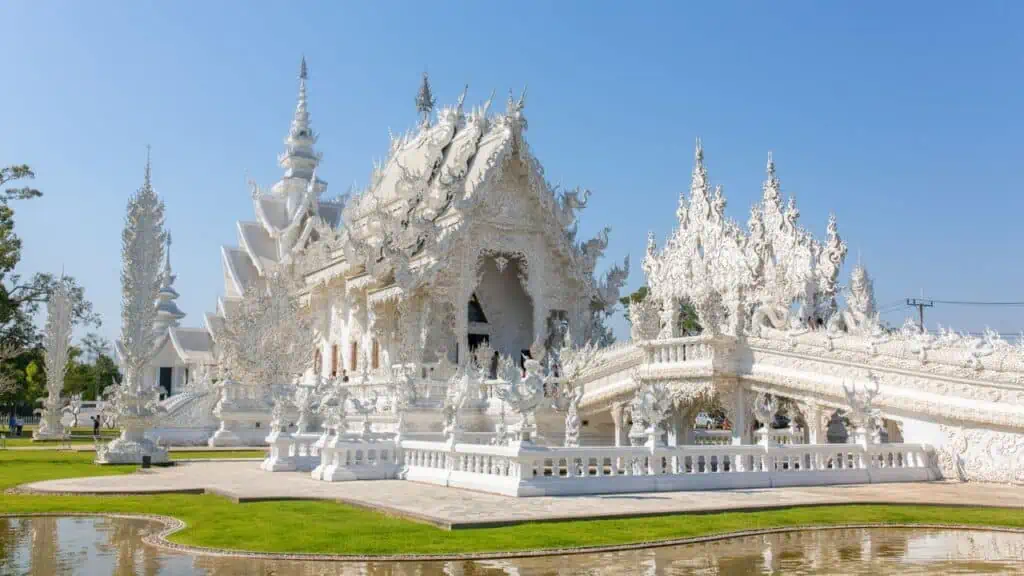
<point>97,545</point>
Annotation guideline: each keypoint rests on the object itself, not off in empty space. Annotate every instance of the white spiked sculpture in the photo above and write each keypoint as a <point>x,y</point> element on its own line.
<point>142,249</point>
<point>57,342</point>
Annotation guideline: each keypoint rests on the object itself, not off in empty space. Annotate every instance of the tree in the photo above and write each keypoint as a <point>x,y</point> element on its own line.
<point>688,323</point>
<point>21,298</point>
<point>95,346</point>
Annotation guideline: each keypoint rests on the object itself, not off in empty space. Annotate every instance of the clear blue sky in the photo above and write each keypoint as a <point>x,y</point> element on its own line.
<point>904,118</point>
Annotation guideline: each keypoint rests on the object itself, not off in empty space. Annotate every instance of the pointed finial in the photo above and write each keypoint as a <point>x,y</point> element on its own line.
<point>771,163</point>
<point>167,253</point>
<point>462,97</point>
<point>698,153</point>
<point>303,72</point>
<point>425,99</point>
<point>147,177</point>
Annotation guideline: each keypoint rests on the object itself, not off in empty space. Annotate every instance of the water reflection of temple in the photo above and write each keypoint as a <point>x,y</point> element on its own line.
<point>115,546</point>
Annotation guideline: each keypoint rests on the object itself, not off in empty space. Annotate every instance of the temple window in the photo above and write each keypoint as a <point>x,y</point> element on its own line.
<point>376,355</point>
<point>334,360</point>
<point>353,356</point>
<point>476,311</point>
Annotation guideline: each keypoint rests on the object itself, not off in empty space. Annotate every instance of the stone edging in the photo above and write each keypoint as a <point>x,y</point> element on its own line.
<point>172,525</point>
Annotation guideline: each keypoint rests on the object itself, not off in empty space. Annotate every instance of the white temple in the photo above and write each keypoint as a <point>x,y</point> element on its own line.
<point>450,301</point>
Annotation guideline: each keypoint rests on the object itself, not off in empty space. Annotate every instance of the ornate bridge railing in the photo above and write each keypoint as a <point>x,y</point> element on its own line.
<point>541,471</point>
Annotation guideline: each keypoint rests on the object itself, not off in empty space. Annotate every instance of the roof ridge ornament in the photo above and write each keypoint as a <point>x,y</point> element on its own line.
<point>425,100</point>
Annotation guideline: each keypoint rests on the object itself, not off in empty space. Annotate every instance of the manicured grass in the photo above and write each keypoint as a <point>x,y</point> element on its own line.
<point>327,527</point>
<point>22,466</point>
<point>26,441</point>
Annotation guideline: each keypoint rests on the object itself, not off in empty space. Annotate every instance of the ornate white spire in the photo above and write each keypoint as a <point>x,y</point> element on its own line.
<point>299,159</point>
<point>57,343</point>
<point>700,189</point>
<point>770,188</point>
<point>167,312</point>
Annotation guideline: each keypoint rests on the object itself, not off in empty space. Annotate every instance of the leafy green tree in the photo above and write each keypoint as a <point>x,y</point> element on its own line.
<point>689,325</point>
<point>21,298</point>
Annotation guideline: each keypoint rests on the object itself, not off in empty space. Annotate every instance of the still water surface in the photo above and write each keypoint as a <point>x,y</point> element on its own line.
<point>100,546</point>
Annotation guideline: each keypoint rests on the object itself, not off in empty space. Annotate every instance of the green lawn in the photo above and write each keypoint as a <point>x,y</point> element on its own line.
<point>327,527</point>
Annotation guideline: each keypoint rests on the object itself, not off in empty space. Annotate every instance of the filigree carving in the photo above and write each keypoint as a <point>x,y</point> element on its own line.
<point>57,344</point>
<point>730,274</point>
<point>649,409</point>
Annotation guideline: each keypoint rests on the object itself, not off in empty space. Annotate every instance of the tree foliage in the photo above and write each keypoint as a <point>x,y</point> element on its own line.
<point>21,298</point>
<point>688,323</point>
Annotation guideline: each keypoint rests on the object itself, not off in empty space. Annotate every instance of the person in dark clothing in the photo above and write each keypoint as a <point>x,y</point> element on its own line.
<point>493,372</point>
<point>96,426</point>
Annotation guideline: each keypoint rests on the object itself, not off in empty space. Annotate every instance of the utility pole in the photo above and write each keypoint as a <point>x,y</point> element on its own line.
<point>920,304</point>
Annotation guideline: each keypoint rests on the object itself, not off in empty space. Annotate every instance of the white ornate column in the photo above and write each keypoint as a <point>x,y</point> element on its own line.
<point>816,419</point>
<point>740,414</point>
<point>618,411</point>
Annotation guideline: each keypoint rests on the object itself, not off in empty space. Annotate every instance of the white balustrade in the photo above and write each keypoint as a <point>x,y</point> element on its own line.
<point>677,350</point>
<point>290,452</point>
<point>783,436</point>
<point>712,437</point>
<point>353,457</point>
<point>541,471</point>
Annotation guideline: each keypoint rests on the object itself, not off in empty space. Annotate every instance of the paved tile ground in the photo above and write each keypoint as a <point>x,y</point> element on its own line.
<point>455,508</point>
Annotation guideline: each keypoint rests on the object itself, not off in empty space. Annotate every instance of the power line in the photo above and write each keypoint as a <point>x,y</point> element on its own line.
<point>975,303</point>
<point>921,304</point>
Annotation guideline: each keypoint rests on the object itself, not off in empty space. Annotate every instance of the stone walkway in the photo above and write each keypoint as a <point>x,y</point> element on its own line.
<point>454,508</point>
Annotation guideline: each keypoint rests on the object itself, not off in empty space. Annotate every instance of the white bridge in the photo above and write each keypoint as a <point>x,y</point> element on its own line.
<point>963,397</point>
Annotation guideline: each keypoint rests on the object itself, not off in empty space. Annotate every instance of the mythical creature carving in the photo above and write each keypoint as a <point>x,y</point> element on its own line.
<point>860,316</point>
<point>523,393</point>
<point>610,288</point>
<point>649,408</point>
<point>460,391</point>
<point>864,414</point>
<point>332,405</point>
<point>766,406</point>
<point>977,455</point>
<point>305,400</point>
<point>364,408</point>
<point>570,365</point>
<point>570,204</point>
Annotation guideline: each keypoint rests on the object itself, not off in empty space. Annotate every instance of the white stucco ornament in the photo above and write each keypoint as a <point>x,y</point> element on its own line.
<point>137,400</point>
<point>56,344</point>
<point>745,280</point>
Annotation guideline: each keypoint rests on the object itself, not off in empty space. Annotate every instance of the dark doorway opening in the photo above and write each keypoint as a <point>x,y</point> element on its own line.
<point>166,372</point>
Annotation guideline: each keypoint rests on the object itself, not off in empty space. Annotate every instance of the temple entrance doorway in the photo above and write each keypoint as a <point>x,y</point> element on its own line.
<point>502,303</point>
